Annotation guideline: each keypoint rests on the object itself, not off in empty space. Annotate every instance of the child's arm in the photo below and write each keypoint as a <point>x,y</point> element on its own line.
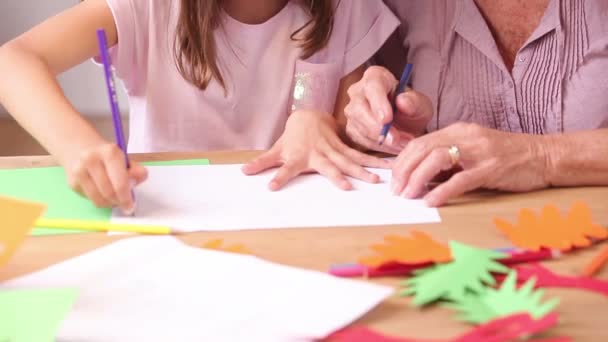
<point>29,90</point>
<point>311,141</point>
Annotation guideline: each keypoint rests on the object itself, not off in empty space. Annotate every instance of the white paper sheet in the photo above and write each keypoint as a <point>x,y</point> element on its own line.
<point>220,197</point>
<point>158,289</point>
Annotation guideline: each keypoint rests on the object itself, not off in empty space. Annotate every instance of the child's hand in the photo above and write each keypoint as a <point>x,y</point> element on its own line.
<point>100,173</point>
<point>310,143</point>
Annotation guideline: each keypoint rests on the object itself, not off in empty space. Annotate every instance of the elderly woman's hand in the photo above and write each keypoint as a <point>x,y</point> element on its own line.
<point>485,158</point>
<point>370,108</point>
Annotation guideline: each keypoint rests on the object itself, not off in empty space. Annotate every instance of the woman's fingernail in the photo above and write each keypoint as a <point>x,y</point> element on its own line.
<point>389,139</point>
<point>382,115</point>
<point>407,193</point>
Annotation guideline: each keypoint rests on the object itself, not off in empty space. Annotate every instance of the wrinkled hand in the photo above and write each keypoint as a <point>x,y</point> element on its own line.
<point>489,159</point>
<point>370,108</point>
<point>100,174</point>
<point>310,143</point>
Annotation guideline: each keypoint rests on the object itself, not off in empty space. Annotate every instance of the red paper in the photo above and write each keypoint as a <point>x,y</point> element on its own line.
<point>505,329</point>
<point>546,278</point>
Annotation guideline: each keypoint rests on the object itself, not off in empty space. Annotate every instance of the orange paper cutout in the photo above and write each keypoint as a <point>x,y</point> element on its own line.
<point>551,230</point>
<point>418,249</point>
<point>217,245</point>
<point>17,218</point>
<point>596,263</point>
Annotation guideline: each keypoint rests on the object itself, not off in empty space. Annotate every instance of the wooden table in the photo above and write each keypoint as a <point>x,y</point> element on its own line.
<point>469,220</point>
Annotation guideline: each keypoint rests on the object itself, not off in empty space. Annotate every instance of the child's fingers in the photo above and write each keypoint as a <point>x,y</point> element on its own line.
<point>137,173</point>
<point>366,160</point>
<point>92,193</point>
<point>119,177</point>
<point>351,168</point>
<point>98,175</point>
<point>284,174</point>
<point>268,160</point>
<point>325,167</point>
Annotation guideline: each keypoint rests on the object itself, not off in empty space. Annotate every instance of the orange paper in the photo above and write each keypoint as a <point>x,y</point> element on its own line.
<point>218,245</point>
<point>551,230</point>
<point>596,263</point>
<point>16,220</point>
<point>417,249</point>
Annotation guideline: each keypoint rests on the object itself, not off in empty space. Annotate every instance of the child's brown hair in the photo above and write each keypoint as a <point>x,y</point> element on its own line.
<point>195,49</point>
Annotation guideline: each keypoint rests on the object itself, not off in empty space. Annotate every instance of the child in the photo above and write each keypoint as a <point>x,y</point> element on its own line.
<point>200,75</point>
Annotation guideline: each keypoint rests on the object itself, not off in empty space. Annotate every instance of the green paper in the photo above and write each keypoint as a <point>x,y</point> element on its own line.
<point>33,315</point>
<point>508,300</point>
<point>48,185</point>
<point>470,271</point>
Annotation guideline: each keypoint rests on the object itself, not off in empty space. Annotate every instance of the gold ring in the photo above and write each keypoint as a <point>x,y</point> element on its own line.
<point>454,153</point>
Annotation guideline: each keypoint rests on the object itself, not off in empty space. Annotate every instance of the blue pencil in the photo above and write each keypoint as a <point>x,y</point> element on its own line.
<point>405,78</point>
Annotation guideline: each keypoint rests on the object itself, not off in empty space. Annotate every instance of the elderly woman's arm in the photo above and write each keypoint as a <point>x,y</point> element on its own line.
<point>492,159</point>
<point>577,159</point>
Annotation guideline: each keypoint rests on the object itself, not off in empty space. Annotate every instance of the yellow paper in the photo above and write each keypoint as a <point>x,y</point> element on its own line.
<point>16,220</point>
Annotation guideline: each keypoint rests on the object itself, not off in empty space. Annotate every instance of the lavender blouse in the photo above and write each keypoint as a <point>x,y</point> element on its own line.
<point>559,82</point>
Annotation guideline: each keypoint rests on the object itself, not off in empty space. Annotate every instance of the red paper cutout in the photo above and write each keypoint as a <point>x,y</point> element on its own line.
<point>420,248</point>
<point>551,230</point>
<point>505,329</point>
<point>394,269</point>
<point>547,278</point>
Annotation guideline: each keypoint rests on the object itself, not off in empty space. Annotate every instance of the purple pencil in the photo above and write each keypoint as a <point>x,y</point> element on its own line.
<point>111,86</point>
<point>110,83</point>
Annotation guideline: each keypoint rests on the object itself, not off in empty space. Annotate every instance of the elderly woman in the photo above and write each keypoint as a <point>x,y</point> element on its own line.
<point>513,95</point>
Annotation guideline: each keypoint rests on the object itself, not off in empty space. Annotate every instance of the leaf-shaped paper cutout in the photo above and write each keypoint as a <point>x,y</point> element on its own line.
<point>551,230</point>
<point>418,249</point>
<point>546,278</point>
<point>507,300</point>
<point>218,244</point>
<point>470,271</point>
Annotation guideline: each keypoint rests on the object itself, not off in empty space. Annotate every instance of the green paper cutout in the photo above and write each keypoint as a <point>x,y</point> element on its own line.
<point>48,185</point>
<point>33,315</point>
<point>470,271</point>
<point>508,300</point>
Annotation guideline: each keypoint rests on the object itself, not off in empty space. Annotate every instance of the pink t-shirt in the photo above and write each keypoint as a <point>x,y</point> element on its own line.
<point>264,75</point>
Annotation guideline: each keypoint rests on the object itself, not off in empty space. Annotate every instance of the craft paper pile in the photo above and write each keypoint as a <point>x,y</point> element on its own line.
<point>48,185</point>
<point>489,285</point>
<point>158,289</point>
